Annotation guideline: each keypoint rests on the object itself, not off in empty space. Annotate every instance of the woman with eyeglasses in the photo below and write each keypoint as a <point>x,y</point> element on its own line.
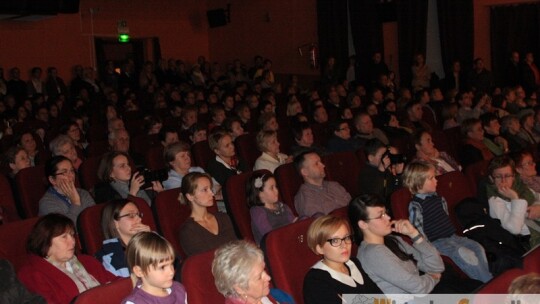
<point>336,273</point>
<point>120,221</point>
<point>390,262</point>
<point>509,200</point>
<point>62,196</point>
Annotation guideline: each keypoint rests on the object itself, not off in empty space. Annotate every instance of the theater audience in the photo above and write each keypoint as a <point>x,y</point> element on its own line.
<point>426,151</point>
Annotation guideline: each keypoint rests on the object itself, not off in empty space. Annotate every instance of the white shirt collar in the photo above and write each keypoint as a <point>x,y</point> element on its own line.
<point>352,280</point>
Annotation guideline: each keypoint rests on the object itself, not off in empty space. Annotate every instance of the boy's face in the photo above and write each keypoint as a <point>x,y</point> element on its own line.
<point>430,184</point>
<point>219,117</point>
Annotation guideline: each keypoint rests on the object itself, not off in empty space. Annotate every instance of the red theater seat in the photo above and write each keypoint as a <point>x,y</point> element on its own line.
<point>31,184</point>
<point>112,293</point>
<point>198,279</point>
<point>288,181</point>
<point>13,238</point>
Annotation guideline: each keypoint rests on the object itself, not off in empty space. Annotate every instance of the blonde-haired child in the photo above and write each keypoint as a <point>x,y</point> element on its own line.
<point>150,258</point>
<point>428,212</point>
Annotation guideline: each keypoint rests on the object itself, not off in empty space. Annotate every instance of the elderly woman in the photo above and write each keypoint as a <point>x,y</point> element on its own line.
<point>64,145</point>
<point>509,200</point>
<point>62,196</point>
<point>240,275</point>
<point>117,182</point>
<point>53,270</point>
<point>271,158</point>
<point>120,221</point>
<point>178,159</point>
<point>425,150</point>
<point>16,159</point>
<point>336,273</point>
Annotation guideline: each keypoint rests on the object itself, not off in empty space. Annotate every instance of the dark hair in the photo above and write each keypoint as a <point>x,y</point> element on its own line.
<point>45,229</point>
<point>372,146</point>
<point>252,192</point>
<point>298,129</point>
<point>487,118</point>
<point>417,135</point>
<point>169,153</point>
<point>357,211</point>
<point>227,124</point>
<point>518,156</point>
<point>163,132</point>
<point>500,162</point>
<point>109,214</point>
<point>51,166</point>
<point>106,165</point>
<point>301,158</point>
<point>335,125</point>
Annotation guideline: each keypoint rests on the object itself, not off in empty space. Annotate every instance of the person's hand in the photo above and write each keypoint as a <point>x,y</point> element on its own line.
<point>508,192</point>
<point>139,227</point>
<point>289,159</point>
<point>436,276</point>
<point>157,186</point>
<point>404,227</point>
<point>533,212</point>
<point>502,142</point>
<point>69,190</point>
<point>137,180</point>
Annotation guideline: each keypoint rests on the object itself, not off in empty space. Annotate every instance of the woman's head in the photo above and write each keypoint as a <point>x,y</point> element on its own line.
<point>423,142</point>
<point>196,188</point>
<point>221,143</point>
<point>233,125</point>
<point>63,145</point>
<point>238,270</point>
<point>146,251</point>
<point>114,166</point>
<point>501,171</point>
<point>268,121</point>
<point>331,237</point>
<point>178,156</point>
<point>367,213</point>
<point>525,164</point>
<point>419,177</point>
<point>28,142</point>
<point>261,189</point>
<point>118,217</point>
<point>58,169</point>
<point>472,129</point>
<point>267,141</point>
<point>52,237</point>
<point>293,107</point>
<point>17,159</point>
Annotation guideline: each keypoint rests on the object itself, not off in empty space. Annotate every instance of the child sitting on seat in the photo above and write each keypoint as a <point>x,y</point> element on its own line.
<point>428,212</point>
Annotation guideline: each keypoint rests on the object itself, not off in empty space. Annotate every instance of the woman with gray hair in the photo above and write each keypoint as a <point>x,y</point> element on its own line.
<point>63,145</point>
<point>240,275</point>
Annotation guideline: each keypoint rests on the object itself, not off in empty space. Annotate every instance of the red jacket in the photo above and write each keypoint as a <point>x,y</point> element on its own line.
<point>45,279</point>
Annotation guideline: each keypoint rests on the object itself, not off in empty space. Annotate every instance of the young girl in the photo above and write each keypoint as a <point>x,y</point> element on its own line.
<point>150,258</point>
<point>203,230</point>
<point>267,212</point>
<point>428,212</point>
<point>336,273</point>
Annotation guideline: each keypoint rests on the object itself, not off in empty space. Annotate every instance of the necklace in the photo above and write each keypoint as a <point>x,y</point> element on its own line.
<point>278,209</point>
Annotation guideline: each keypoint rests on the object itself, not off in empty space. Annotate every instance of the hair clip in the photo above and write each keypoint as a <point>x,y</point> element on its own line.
<point>258,182</point>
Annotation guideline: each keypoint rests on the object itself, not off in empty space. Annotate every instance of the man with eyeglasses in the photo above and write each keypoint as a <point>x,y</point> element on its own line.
<point>317,196</point>
<point>341,140</point>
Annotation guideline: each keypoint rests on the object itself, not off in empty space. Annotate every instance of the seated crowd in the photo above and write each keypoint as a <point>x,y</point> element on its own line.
<point>117,139</point>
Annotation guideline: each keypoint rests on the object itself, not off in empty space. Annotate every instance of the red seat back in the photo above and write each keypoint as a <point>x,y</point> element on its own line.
<point>89,225</point>
<point>13,238</point>
<point>238,205</point>
<point>201,153</point>
<point>246,149</point>
<point>289,258</point>
<point>288,181</point>
<point>198,279</point>
<point>7,203</point>
<point>154,158</point>
<point>111,293</point>
<point>171,215</point>
<point>454,187</point>
<point>400,200</point>
<point>31,184</point>
<point>344,167</point>
<point>531,262</point>
<point>88,172</point>
<point>475,172</point>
